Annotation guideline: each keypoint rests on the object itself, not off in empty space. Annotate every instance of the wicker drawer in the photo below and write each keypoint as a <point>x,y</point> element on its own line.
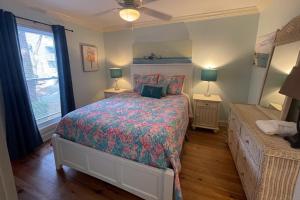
<point>206,114</point>
<point>248,172</point>
<point>206,104</point>
<point>233,144</point>
<point>234,123</point>
<point>250,145</point>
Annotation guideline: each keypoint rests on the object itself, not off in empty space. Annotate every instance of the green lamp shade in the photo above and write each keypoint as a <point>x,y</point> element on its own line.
<point>209,75</point>
<point>115,72</point>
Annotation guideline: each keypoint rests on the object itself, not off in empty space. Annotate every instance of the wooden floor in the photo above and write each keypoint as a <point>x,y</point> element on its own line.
<point>208,173</point>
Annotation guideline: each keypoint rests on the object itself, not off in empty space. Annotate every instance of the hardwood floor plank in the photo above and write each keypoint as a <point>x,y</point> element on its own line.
<point>208,173</point>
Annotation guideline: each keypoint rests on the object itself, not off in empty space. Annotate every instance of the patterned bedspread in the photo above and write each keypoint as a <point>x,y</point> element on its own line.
<point>146,130</point>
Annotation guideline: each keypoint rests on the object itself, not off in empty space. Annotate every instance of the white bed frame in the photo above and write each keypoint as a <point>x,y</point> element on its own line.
<point>144,181</point>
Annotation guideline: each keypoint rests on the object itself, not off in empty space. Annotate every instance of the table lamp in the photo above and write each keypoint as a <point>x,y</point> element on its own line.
<point>208,75</point>
<point>116,73</point>
<point>290,88</point>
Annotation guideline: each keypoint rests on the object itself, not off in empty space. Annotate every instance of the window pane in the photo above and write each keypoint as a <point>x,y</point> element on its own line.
<point>39,62</point>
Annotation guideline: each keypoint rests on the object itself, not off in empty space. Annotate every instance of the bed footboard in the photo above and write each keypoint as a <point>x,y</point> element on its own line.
<point>144,181</point>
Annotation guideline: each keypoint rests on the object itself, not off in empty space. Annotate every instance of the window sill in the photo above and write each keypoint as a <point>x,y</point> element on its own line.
<point>48,129</point>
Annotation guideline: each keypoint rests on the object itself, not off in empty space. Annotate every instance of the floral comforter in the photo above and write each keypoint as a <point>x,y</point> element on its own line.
<point>146,130</point>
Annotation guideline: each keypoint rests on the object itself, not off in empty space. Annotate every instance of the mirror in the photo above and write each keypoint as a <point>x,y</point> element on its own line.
<point>283,60</point>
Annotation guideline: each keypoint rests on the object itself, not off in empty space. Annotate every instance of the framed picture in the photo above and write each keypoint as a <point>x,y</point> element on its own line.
<point>89,54</point>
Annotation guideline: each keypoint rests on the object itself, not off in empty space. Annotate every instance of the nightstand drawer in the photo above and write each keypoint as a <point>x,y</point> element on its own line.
<point>206,117</point>
<point>205,104</point>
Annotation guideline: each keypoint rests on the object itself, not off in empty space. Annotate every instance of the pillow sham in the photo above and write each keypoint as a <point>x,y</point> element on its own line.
<point>164,89</point>
<point>153,91</point>
<point>139,80</point>
<point>175,83</point>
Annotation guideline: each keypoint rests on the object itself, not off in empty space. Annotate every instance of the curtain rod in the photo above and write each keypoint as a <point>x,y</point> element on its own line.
<point>34,21</point>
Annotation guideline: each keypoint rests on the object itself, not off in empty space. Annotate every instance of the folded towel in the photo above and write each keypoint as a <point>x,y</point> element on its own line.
<point>277,127</point>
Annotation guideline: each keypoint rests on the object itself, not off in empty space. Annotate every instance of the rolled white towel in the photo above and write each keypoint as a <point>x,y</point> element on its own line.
<point>277,127</point>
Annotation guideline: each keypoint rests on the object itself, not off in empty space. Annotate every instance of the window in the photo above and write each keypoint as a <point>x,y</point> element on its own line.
<point>40,68</point>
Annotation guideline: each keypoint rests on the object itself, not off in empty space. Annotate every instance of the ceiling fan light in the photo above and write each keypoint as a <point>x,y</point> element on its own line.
<point>129,14</point>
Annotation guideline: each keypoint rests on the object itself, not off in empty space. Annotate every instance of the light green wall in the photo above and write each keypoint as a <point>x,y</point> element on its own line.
<point>226,43</point>
<point>273,17</point>
<point>170,48</point>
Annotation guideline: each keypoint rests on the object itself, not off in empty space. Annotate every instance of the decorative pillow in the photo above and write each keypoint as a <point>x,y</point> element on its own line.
<point>139,80</point>
<point>152,91</point>
<point>164,89</point>
<point>175,83</point>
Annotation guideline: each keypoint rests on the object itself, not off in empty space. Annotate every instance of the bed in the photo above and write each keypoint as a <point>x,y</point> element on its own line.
<point>130,141</point>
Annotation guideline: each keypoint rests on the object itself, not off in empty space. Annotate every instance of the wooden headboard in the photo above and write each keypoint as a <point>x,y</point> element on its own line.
<point>168,70</point>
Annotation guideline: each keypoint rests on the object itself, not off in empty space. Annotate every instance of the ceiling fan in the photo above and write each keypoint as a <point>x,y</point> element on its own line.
<point>131,10</point>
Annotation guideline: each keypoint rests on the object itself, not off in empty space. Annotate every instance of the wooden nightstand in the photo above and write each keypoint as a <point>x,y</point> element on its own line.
<point>206,111</point>
<point>111,92</point>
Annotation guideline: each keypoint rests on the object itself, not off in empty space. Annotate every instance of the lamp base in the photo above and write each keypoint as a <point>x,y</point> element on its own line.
<point>116,85</point>
<point>207,94</point>
<point>294,141</point>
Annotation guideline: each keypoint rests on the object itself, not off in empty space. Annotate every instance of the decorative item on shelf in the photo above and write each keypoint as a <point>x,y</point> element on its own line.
<point>208,75</point>
<point>89,56</point>
<point>152,56</point>
<point>116,73</point>
<point>290,88</point>
<point>162,60</point>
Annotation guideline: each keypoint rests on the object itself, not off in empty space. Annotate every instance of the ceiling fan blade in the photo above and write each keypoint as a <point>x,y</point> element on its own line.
<point>105,12</point>
<point>143,2</point>
<point>156,14</point>
<point>128,3</point>
<point>119,2</point>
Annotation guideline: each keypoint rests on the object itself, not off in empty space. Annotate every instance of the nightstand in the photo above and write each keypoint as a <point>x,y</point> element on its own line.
<point>206,111</point>
<point>111,92</point>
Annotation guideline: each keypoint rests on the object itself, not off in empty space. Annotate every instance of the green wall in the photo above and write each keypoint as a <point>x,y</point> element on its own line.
<point>227,44</point>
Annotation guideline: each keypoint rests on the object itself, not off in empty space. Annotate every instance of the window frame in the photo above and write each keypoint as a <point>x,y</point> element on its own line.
<point>49,125</point>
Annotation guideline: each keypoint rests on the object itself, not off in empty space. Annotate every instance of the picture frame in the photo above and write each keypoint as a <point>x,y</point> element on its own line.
<point>89,57</point>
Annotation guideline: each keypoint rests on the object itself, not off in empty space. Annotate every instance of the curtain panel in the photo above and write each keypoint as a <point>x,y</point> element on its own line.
<point>22,133</point>
<point>64,72</point>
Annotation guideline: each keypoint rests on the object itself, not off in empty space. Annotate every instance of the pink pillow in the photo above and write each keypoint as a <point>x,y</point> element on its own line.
<point>139,80</point>
<point>175,83</point>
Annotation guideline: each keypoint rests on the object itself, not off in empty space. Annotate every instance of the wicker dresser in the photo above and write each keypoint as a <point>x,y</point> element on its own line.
<point>267,165</point>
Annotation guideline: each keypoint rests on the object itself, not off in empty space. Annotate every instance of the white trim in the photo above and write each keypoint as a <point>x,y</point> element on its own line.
<point>32,25</point>
<point>186,18</point>
<point>263,4</point>
<point>189,18</point>
<point>144,181</point>
<point>47,131</point>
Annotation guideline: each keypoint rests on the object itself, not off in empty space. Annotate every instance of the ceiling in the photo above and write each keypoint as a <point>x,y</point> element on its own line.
<point>83,11</point>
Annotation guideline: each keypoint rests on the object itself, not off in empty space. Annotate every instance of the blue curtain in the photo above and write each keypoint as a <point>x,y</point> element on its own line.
<point>22,133</point>
<point>64,72</point>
